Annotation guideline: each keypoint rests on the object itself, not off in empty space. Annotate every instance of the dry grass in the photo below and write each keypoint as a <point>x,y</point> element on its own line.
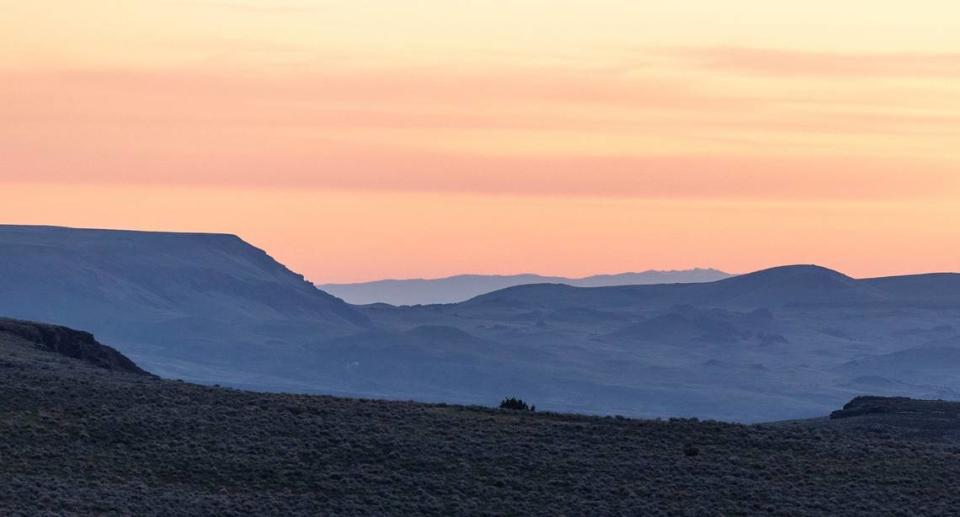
<point>82,440</point>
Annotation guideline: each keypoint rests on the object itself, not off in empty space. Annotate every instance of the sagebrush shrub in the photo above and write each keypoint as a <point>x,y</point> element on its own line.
<point>515,404</point>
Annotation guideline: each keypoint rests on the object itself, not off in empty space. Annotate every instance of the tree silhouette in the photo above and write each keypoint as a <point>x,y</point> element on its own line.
<point>515,404</point>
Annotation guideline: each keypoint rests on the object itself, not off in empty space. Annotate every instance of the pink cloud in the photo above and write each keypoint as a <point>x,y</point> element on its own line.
<point>332,130</point>
<point>385,169</point>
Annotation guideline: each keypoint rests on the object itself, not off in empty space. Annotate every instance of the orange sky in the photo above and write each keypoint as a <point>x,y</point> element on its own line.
<point>366,139</point>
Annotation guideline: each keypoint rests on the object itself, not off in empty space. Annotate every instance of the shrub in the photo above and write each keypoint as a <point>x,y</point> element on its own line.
<point>516,404</point>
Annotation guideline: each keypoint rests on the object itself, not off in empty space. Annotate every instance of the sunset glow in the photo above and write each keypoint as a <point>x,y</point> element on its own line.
<point>368,139</point>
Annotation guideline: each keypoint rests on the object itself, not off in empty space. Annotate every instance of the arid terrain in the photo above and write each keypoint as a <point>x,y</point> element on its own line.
<point>785,343</point>
<point>86,436</point>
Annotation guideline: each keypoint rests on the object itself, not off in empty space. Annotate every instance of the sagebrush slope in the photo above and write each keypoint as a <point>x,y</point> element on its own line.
<point>83,440</point>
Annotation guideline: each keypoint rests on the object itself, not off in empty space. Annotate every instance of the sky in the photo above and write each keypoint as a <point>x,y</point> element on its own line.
<point>357,140</point>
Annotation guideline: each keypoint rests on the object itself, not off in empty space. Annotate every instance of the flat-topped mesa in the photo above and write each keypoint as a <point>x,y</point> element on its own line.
<point>71,343</point>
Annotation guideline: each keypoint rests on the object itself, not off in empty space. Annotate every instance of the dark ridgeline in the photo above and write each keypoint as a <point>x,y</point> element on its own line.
<point>67,342</point>
<point>83,439</point>
<point>788,342</point>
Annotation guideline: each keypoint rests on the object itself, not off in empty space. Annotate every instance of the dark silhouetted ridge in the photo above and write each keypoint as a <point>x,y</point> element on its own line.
<point>70,343</point>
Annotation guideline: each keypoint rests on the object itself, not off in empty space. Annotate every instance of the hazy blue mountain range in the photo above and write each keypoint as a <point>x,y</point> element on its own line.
<point>784,343</point>
<point>461,288</point>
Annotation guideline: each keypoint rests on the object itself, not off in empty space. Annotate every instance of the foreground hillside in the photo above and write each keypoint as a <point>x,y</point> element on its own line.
<point>79,438</point>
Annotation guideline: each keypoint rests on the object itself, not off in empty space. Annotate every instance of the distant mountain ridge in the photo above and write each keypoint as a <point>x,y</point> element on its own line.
<point>460,288</point>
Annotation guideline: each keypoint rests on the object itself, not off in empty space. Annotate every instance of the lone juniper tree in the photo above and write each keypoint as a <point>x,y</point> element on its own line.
<point>516,404</point>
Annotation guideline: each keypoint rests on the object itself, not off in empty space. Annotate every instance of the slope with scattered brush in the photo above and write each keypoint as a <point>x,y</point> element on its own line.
<point>83,439</point>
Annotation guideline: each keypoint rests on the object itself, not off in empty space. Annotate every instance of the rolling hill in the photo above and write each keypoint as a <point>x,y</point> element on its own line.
<point>753,347</point>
